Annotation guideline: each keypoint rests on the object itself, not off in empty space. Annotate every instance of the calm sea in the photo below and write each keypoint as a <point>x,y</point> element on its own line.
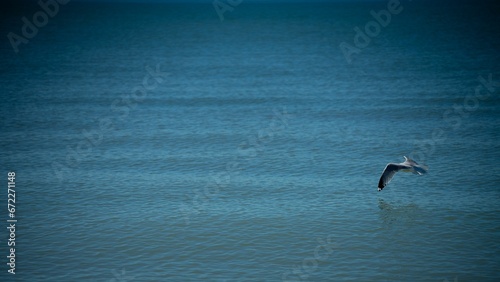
<point>172,142</point>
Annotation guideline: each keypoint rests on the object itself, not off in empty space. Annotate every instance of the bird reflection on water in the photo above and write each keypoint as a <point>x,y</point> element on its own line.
<point>398,215</point>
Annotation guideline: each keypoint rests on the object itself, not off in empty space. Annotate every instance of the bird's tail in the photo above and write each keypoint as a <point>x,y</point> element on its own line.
<point>420,169</point>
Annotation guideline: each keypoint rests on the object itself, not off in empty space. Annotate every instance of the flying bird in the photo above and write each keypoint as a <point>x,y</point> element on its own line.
<point>408,165</point>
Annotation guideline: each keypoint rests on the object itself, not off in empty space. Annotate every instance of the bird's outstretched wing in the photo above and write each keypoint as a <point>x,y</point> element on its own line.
<point>389,171</point>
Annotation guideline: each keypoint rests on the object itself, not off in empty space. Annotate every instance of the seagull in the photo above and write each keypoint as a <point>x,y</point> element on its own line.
<point>408,165</point>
